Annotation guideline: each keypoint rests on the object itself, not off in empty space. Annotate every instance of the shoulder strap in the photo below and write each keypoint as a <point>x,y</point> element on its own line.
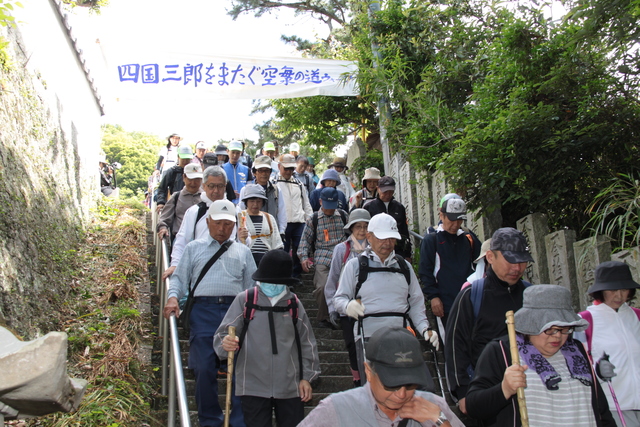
<point>344,217</point>
<point>477,288</point>
<point>363,273</point>
<point>205,269</point>
<point>586,315</point>
<point>314,229</point>
<point>637,311</point>
<point>404,268</point>
<point>202,209</point>
<point>250,304</point>
<point>346,252</point>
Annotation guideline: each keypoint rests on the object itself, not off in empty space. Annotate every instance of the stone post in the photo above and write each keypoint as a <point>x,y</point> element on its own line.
<point>562,269</point>
<point>424,203</point>
<point>406,181</point>
<point>588,254</point>
<point>535,227</point>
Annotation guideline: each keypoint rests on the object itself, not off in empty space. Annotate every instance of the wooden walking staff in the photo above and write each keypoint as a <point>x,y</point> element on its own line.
<point>227,403</point>
<point>515,359</point>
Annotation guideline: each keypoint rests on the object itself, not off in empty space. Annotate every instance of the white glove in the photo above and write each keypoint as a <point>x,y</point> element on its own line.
<point>433,339</point>
<point>355,309</point>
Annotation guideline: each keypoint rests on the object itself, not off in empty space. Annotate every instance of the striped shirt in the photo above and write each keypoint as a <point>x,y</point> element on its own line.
<point>229,276</point>
<point>570,405</point>
<point>325,242</point>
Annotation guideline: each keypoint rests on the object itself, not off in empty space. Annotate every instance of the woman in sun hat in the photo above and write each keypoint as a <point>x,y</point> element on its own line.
<point>343,252</point>
<point>560,388</point>
<point>613,337</point>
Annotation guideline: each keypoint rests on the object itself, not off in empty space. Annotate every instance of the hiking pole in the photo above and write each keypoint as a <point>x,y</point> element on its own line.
<point>227,403</point>
<point>613,393</point>
<point>515,359</point>
<point>435,360</point>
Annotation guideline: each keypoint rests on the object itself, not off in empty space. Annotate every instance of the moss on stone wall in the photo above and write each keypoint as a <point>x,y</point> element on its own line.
<point>40,198</point>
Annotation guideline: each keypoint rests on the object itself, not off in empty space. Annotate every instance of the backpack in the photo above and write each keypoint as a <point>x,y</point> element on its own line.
<point>314,222</point>
<point>250,307</point>
<point>363,274</point>
<point>202,210</point>
<point>586,315</point>
<point>477,289</point>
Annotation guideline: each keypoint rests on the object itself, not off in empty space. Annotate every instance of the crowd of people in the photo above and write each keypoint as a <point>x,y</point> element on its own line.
<point>242,231</point>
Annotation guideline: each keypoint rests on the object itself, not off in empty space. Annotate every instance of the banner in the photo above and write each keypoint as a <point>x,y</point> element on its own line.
<point>163,76</point>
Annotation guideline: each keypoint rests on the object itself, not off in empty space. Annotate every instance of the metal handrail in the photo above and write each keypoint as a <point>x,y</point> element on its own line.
<point>168,329</point>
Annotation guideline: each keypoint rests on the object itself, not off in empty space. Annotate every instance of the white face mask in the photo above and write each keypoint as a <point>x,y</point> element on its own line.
<point>271,290</point>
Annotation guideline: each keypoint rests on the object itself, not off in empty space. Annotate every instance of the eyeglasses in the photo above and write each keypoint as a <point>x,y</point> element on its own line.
<point>218,187</point>
<point>359,227</point>
<point>289,169</point>
<point>563,331</point>
<point>408,387</point>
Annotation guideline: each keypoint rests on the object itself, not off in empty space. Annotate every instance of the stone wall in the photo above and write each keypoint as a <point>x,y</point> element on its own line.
<point>559,258</point>
<point>49,139</point>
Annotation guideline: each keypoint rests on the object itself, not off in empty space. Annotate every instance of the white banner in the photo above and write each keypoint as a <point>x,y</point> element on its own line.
<point>163,76</point>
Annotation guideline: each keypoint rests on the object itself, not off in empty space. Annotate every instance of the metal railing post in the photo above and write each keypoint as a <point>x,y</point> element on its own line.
<point>185,421</point>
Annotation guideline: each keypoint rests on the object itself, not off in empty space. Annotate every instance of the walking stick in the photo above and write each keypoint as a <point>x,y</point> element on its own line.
<point>515,359</point>
<point>227,403</point>
<point>605,356</point>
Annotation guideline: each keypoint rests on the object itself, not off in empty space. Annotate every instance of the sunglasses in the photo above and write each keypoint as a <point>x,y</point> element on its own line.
<point>554,331</point>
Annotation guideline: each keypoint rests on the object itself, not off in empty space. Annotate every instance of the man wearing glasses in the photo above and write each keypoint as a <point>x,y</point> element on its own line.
<point>194,226</point>
<point>395,371</point>
<point>477,314</point>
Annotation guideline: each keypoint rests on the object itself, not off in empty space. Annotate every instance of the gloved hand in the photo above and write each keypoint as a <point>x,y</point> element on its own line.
<point>432,339</point>
<point>604,368</point>
<point>355,309</point>
<point>334,318</point>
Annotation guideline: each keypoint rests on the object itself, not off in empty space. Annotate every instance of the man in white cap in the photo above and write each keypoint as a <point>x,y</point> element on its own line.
<point>379,288</point>
<point>269,149</point>
<point>213,271</point>
<point>296,201</point>
<point>201,150</point>
<point>237,173</point>
<point>446,258</point>
<point>171,218</point>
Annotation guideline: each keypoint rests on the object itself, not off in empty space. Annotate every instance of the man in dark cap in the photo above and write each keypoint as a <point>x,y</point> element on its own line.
<point>395,369</point>
<point>385,203</point>
<point>475,320</point>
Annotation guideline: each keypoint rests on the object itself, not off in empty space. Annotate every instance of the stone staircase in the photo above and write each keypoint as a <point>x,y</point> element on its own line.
<point>334,362</point>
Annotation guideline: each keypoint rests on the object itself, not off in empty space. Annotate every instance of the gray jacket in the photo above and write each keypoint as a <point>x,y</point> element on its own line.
<point>259,372</point>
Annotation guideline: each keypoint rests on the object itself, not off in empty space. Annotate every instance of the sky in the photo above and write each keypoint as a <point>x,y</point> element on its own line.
<point>194,26</point>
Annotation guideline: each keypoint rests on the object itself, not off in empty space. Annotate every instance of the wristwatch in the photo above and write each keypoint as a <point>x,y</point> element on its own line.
<point>441,419</point>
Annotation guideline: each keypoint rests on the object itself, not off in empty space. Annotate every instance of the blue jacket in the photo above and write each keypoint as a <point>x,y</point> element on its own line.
<point>238,175</point>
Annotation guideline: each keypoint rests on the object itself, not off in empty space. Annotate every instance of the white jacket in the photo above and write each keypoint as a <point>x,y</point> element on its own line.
<point>270,235</point>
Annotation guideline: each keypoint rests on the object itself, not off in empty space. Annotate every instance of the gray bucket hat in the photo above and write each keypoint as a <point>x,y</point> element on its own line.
<point>611,276</point>
<point>252,191</point>
<point>357,215</point>
<point>545,306</point>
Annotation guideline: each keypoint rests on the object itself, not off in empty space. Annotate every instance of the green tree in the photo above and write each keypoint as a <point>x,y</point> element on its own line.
<point>138,154</point>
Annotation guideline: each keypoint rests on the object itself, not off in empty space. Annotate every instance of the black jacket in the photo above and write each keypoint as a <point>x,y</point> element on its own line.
<point>456,254</point>
<point>466,336</point>
<point>172,182</point>
<point>399,213</point>
<point>485,400</point>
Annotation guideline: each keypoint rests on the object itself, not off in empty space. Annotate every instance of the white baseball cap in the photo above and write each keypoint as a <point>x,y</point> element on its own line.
<point>193,171</point>
<point>384,226</point>
<point>201,146</point>
<point>222,209</point>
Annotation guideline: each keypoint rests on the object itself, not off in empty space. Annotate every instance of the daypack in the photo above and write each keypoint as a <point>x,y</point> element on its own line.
<point>586,315</point>
<point>477,289</point>
<point>314,222</point>
<point>363,274</point>
<point>250,307</point>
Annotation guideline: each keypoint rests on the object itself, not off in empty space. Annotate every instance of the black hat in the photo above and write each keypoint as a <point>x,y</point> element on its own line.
<point>397,358</point>
<point>611,276</point>
<point>512,244</point>
<point>276,266</point>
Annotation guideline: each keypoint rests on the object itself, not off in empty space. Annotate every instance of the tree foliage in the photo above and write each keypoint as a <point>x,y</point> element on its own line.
<point>331,12</point>
<point>138,154</point>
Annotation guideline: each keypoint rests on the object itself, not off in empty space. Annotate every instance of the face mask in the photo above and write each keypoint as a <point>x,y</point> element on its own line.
<point>271,290</point>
